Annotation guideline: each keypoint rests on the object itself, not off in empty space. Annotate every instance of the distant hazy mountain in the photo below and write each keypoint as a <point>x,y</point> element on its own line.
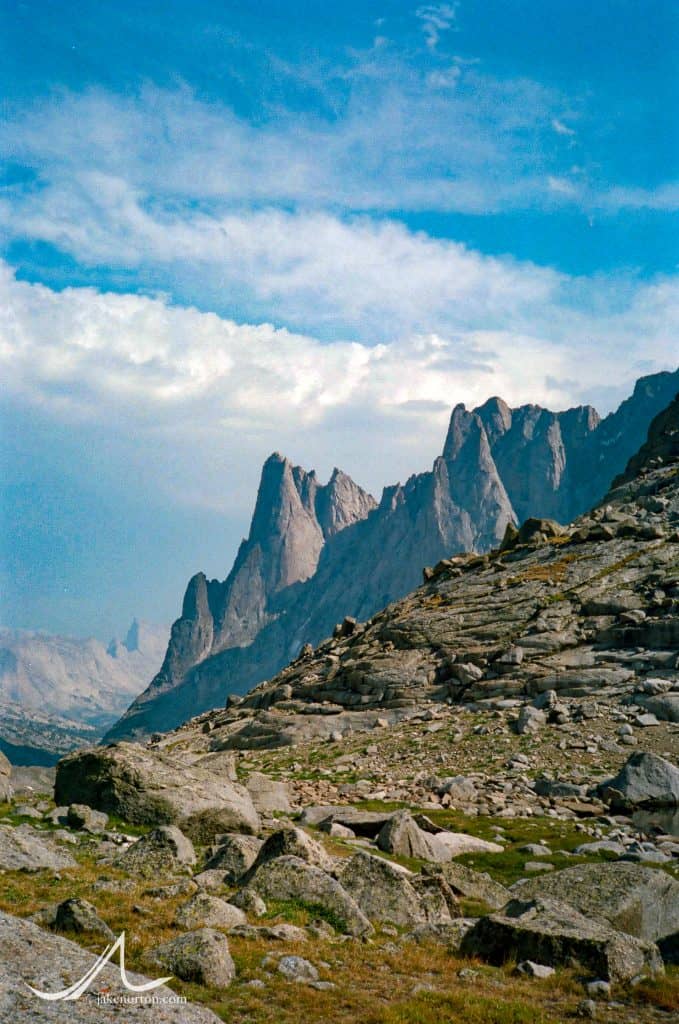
<point>56,692</point>
<point>317,553</point>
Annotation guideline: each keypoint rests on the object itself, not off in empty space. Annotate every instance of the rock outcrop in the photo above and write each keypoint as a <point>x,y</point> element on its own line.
<point>316,554</point>
<point>151,788</point>
<point>551,614</point>
<point>43,960</point>
<point>553,933</point>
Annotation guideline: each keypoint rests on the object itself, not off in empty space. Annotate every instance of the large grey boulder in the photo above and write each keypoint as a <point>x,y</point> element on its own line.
<point>204,910</point>
<point>234,856</point>
<point>49,962</point>
<point>293,842</point>
<point>164,850</point>
<point>145,786</point>
<point>474,885</point>
<point>645,780</point>
<point>268,794</point>
<point>402,836</point>
<point>24,848</point>
<point>6,789</point>
<point>554,933</point>
<point>202,956</point>
<point>291,878</point>
<point>388,892</point>
<point>664,706</point>
<point>634,899</point>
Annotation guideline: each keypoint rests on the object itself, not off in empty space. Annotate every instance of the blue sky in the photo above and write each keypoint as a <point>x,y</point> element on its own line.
<point>227,228</point>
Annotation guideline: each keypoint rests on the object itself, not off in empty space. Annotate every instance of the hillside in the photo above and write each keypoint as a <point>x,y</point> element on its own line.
<point>296,576</point>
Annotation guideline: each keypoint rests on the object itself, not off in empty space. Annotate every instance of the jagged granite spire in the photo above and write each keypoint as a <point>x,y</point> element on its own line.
<point>294,516</point>
<point>316,553</point>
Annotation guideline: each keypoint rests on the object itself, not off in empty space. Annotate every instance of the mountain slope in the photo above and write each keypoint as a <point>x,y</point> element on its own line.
<point>55,691</point>
<point>587,611</point>
<point>294,578</point>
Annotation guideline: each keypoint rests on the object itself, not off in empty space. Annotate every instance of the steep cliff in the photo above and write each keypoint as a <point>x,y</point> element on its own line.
<point>317,553</point>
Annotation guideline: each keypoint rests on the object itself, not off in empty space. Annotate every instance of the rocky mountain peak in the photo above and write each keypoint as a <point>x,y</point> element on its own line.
<point>317,553</point>
<point>661,446</point>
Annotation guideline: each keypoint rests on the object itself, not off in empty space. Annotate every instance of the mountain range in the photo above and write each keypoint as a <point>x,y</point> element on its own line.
<point>317,553</point>
<point>57,692</point>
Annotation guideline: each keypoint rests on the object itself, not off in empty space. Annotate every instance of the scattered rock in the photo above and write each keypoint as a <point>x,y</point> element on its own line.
<point>164,850</point>
<point>206,911</point>
<point>76,915</point>
<point>25,849</point>
<point>201,956</point>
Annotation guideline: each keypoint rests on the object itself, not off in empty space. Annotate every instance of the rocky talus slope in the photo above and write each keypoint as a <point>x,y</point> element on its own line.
<point>464,809</point>
<point>316,553</point>
<point>585,611</point>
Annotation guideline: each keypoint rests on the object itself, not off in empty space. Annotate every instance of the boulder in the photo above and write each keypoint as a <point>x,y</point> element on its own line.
<point>296,968</point>
<point>145,786</point>
<point>645,780</point>
<point>386,891</point>
<point>6,789</point>
<point>554,933</point>
<point>48,962</point>
<point>234,856</point>
<point>291,878</point>
<point>362,823</point>
<point>82,817</point>
<point>201,956</point>
<point>24,848</point>
<point>204,910</point>
<point>268,794</point>
<point>664,706</point>
<point>402,836</point>
<point>76,915</point>
<point>631,898</point>
<point>474,885</point>
<point>165,850</point>
<point>292,842</point>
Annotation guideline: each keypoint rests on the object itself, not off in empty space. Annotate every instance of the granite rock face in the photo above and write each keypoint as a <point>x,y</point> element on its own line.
<point>632,898</point>
<point>551,614</point>
<point>553,933</point>
<point>49,962</point>
<point>317,553</point>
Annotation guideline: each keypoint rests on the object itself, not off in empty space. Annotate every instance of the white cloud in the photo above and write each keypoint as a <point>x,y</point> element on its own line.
<point>436,19</point>
<point>201,400</point>
<point>562,129</point>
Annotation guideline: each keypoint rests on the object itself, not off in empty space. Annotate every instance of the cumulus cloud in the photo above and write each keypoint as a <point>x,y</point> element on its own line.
<point>175,380</point>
